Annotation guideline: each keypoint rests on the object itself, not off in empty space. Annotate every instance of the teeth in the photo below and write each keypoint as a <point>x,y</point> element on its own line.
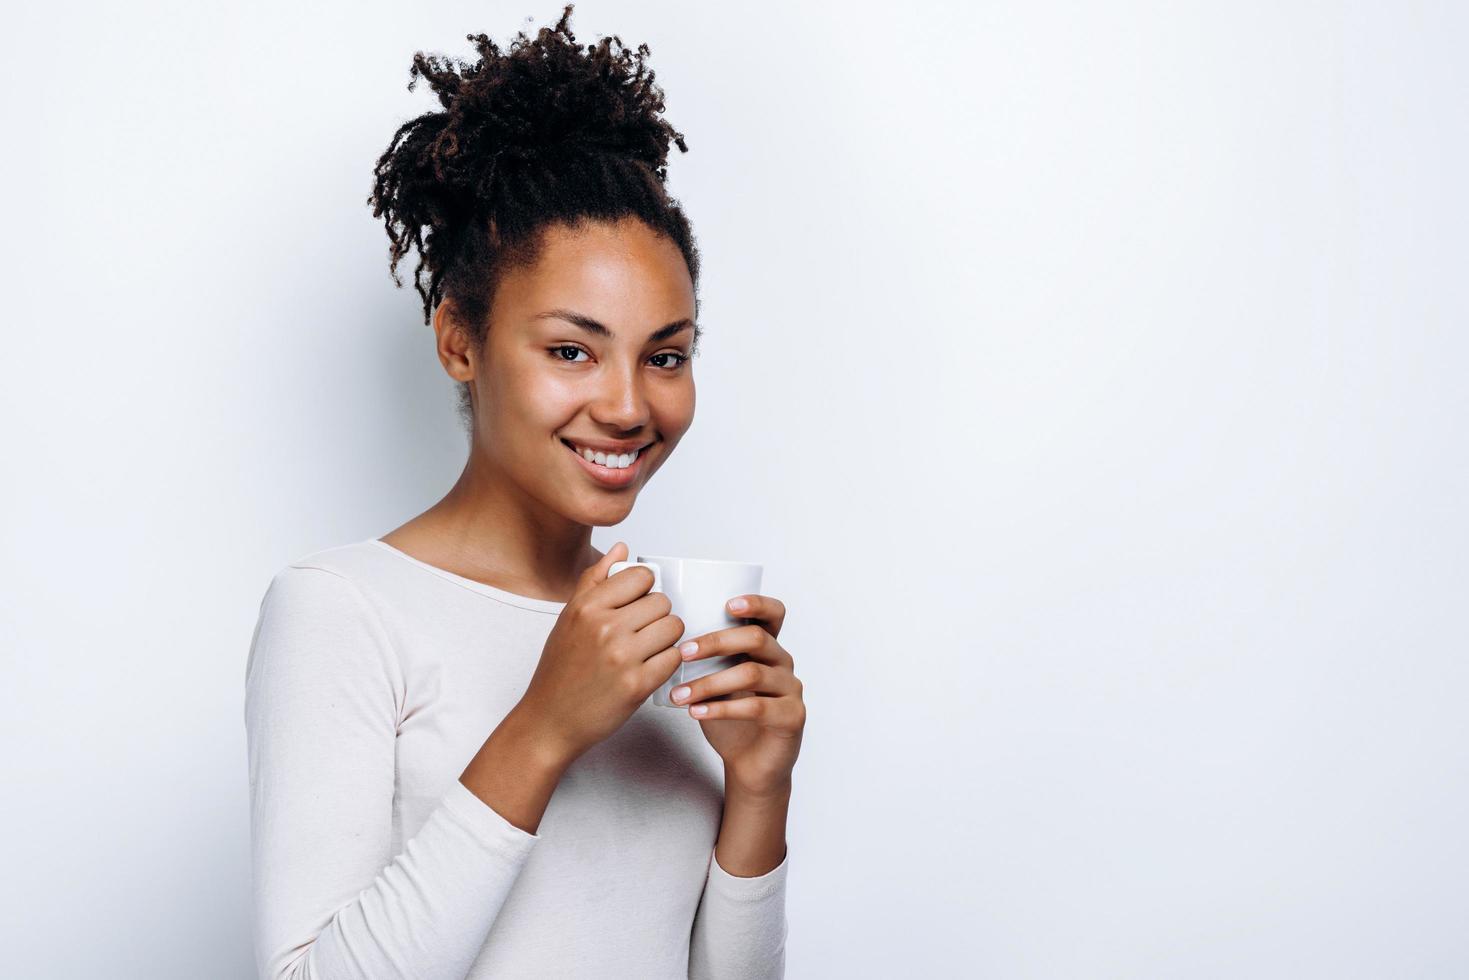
<point>612,461</point>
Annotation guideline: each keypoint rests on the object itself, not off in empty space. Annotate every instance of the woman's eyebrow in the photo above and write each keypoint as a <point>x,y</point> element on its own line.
<point>593,326</point>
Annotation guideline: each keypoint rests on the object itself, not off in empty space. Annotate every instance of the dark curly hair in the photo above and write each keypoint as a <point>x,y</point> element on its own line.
<point>546,131</point>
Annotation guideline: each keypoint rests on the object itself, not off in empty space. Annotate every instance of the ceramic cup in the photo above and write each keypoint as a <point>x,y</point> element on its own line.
<point>698,589</point>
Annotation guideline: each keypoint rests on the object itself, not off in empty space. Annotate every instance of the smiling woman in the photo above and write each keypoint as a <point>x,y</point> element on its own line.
<point>455,767</point>
<point>533,138</point>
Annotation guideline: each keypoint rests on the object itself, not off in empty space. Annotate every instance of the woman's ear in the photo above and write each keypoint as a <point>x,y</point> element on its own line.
<point>455,351</point>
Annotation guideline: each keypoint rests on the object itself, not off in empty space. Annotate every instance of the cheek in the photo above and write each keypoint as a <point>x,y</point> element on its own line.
<point>673,411</point>
<point>520,413</point>
<point>543,400</point>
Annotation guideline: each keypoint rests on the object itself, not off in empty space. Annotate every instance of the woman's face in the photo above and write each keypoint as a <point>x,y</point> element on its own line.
<point>592,346</point>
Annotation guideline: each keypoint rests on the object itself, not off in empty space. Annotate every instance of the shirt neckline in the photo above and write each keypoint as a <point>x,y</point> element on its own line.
<point>510,598</point>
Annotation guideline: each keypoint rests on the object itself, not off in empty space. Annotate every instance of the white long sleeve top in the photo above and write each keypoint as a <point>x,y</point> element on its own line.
<point>372,679</point>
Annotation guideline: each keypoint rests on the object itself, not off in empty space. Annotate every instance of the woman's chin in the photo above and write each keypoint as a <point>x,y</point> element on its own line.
<point>603,509</point>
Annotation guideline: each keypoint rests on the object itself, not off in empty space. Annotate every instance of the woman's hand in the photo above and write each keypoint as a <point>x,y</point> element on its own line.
<point>757,729</point>
<point>611,647</point>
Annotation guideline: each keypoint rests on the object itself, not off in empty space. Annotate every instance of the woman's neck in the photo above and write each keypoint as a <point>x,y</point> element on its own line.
<point>487,530</point>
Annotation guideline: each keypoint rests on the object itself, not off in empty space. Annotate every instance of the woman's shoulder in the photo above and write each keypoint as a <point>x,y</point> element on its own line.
<point>350,571</point>
<point>319,632</point>
<point>354,560</point>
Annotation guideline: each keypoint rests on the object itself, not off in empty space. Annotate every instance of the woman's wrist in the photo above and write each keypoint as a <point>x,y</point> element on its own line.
<point>516,771</point>
<point>777,794</point>
<point>545,749</point>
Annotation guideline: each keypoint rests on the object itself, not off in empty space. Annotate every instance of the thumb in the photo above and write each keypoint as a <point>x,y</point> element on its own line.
<point>597,573</point>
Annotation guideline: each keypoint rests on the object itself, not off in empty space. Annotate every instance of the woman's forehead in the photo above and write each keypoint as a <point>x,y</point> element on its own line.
<point>621,277</point>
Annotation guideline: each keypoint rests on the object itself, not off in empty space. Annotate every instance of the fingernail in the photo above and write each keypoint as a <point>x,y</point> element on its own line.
<point>679,693</point>
<point>738,605</point>
<point>688,649</point>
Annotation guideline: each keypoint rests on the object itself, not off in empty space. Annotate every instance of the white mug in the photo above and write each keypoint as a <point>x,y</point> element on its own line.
<point>698,589</point>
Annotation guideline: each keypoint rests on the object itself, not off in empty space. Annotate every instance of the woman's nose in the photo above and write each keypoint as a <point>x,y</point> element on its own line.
<point>620,401</point>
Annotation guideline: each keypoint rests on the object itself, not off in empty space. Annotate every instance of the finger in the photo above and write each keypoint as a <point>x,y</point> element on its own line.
<point>751,639</point>
<point>651,609</point>
<point>782,714</point>
<point>750,675</point>
<point>626,586</point>
<point>595,574</point>
<point>659,667</point>
<point>768,610</point>
<point>658,636</point>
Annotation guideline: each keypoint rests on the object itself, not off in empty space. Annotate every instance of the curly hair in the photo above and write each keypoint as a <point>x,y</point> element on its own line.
<point>544,132</point>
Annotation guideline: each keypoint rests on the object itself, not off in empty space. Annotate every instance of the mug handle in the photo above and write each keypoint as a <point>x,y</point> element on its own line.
<point>618,566</point>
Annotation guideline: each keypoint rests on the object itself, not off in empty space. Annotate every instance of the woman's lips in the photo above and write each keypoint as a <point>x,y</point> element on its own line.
<point>607,476</point>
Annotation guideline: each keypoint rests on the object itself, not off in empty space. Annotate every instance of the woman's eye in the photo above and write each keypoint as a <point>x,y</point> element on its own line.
<point>682,359</point>
<point>556,352</point>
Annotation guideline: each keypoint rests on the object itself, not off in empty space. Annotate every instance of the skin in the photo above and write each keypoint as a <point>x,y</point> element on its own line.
<point>521,514</point>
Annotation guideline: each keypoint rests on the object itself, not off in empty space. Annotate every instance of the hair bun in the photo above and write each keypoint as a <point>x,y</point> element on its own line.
<point>543,98</point>
<point>545,130</point>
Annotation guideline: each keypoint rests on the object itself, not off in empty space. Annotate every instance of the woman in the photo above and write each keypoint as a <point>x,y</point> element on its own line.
<point>455,769</point>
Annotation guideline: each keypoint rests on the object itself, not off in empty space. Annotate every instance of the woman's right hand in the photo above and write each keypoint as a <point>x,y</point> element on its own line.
<point>611,647</point>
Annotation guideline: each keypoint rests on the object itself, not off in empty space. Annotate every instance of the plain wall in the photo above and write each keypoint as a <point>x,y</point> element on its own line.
<point>1089,378</point>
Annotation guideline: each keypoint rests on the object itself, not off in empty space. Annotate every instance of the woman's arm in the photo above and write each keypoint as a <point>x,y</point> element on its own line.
<point>323,695</point>
<point>752,835</point>
<point>740,927</point>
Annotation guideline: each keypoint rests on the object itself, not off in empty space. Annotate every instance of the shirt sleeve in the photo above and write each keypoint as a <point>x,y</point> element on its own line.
<point>740,927</point>
<point>331,901</point>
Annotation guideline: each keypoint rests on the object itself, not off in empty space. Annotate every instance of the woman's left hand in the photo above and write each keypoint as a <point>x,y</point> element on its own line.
<point>757,728</point>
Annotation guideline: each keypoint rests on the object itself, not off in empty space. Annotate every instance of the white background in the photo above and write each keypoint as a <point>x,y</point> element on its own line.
<point>1090,379</point>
